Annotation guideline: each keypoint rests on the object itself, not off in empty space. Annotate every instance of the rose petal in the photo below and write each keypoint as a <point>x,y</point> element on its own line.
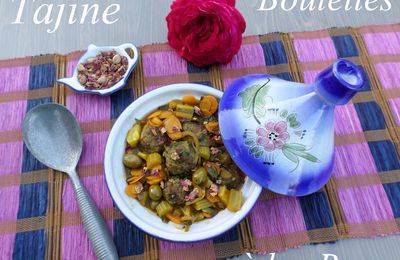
<point>229,2</point>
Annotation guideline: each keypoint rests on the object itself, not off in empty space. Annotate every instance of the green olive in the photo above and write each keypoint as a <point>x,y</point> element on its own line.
<point>199,176</point>
<point>132,161</point>
<point>155,192</point>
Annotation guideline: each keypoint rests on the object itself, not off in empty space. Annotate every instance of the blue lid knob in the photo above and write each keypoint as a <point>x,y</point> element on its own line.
<point>338,83</point>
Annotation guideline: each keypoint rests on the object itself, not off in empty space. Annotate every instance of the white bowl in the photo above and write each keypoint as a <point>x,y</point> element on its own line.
<point>142,217</point>
<point>92,51</point>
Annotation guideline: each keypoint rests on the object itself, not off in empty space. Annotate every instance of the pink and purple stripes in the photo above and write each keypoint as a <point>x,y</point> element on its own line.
<point>346,120</point>
<point>275,218</point>
<point>386,64</point>
<point>375,40</point>
<point>249,55</point>
<point>173,66</point>
<point>315,49</point>
<point>395,105</point>
<point>350,161</point>
<point>13,79</point>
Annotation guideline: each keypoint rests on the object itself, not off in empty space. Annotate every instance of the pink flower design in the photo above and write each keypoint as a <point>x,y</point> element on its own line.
<point>272,135</point>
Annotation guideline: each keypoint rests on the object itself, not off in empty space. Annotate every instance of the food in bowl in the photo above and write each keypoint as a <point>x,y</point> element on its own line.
<point>102,71</point>
<point>176,163</point>
<point>115,172</point>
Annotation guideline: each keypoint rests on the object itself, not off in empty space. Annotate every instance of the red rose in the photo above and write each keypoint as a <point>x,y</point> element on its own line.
<point>205,31</point>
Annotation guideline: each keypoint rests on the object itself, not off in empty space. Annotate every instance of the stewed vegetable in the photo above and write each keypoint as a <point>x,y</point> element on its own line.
<point>177,165</point>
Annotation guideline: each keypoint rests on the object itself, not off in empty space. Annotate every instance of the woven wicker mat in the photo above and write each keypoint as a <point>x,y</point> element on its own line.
<point>39,217</point>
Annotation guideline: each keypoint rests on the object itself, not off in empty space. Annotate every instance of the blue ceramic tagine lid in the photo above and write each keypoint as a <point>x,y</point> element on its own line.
<point>280,133</point>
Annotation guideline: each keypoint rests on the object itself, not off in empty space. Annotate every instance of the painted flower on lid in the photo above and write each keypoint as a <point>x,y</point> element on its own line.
<point>272,135</point>
<point>272,138</point>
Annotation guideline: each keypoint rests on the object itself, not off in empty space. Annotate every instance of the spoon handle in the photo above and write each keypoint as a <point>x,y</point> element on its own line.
<point>95,226</point>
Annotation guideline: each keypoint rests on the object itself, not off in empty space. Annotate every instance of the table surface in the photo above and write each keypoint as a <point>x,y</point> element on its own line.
<point>143,22</point>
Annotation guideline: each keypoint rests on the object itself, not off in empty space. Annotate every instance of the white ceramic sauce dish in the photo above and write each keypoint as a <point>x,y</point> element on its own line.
<point>92,51</point>
<point>115,175</point>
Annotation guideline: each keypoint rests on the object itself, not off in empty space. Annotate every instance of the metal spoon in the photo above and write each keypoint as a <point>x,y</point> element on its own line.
<point>52,134</point>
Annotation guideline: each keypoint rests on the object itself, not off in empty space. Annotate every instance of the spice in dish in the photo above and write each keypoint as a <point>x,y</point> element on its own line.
<point>177,165</point>
<point>102,71</point>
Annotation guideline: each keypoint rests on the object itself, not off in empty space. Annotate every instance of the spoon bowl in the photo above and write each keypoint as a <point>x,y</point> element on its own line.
<point>52,134</point>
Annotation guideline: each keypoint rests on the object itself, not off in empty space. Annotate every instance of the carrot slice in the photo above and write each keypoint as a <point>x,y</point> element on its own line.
<point>208,105</point>
<point>129,190</point>
<point>175,219</point>
<point>150,123</point>
<point>137,175</point>
<point>165,114</point>
<point>190,100</point>
<point>205,104</point>
<point>154,114</point>
<point>212,127</point>
<point>136,178</point>
<point>156,179</point>
<point>136,172</point>
<point>151,180</point>
<point>156,121</point>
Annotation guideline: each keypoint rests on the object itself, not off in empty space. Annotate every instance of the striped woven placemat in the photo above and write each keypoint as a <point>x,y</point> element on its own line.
<point>39,217</point>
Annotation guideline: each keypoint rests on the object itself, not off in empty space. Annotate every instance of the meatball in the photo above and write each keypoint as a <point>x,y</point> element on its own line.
<point>199,131</point>
<point>180,157</point>
<point>152,140</point>
<point>173,192</point>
